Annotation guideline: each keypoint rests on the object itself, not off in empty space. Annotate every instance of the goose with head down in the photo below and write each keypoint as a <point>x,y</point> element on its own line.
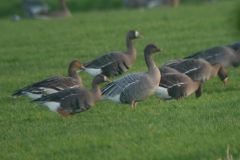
<point>135,87</point>
<point>74,100</point>
<point>226,56</point>
<point>177,86</point>
<point>53,84</point>
<point>200,70</point>
<point>114,63</point>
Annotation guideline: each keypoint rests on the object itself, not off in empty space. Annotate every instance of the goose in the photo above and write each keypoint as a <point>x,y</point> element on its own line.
<point>200,70</point>
<point>219,54</point>
<point>235,45</point>
<point>114,63</point>
<point>73,100</point>
<point>33,8</point>
<point>64,12</point>
<point>53,84</point>
<point>177,86</point>
<point>135,87</point>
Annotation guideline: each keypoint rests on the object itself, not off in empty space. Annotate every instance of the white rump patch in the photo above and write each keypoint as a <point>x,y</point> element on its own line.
<point>92,71</point>
<point>53,106</point>
<point>115,98</point>
<point>136,34</point>
<point>162,93</point>
<point>33,96</point>
<point>49,90</point>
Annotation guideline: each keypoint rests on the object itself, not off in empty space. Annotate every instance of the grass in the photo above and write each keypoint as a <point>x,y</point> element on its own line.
<point>187,129</point>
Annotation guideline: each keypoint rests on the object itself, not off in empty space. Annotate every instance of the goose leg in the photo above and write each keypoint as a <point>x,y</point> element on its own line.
<point>159,99</point>
<point>132,105</point>
<point>135,104</point>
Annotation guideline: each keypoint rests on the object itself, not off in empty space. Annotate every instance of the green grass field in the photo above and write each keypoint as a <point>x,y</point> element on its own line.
<point>188,129</point>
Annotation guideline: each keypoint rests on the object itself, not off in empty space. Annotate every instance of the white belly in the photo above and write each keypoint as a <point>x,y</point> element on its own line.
<point>53,106</point>
<point>33,96</point>
<point>92,71</point>
<point>162,93</point>
<point>115,98</point>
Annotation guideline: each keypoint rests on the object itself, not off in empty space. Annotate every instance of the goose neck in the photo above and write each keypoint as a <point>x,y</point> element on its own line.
<point>130,46</point>
<point>149,61</point>
<point>63,5</point>
<point>72,73</point>
<point>96,92</point>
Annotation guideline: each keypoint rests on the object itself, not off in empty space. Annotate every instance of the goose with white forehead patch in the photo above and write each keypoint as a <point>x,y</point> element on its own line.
<point>135,87</point>
<point>53,84</point>
<point>74,100</point>
<point>219,54</point>
<point>114,63</point>
<point>177,86</point>
<point>199,69</point>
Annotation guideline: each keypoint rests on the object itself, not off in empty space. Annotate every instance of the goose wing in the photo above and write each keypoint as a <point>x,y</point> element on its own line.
<point>189,66</point>
<point>103,60</point>
<point>118,86</point>
<point>57,82</point>
<point>176,84</point>
<point>211,53</point>
<point>173,62</point>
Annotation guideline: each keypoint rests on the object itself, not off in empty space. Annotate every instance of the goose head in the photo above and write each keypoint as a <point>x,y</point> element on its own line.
<point>151,48</point>
<point>222,73</point>
<point>76,65</point>
<point>98,79</point>
<point>134,34</point>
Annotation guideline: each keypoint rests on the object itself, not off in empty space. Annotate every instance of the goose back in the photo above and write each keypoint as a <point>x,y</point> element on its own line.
<point>200,70</point>
<point>177,86</point>
<point>219,54</point>
<point>52,84</point>
<point>73,100</point>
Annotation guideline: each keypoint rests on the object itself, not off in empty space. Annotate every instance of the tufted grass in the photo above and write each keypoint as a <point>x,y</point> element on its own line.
<point>186,129</point>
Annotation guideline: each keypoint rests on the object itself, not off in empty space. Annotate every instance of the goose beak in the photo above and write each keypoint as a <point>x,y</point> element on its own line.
<point>107,80</point>
<point>139,36</point>
<point>83,68</point>
<point>159,50</point>
<point>225,82</point>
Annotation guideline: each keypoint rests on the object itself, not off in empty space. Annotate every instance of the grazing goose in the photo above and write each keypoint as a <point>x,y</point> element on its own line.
<point>177,85</point>
<point>135,87</point>
<point>114,63</point>
<point>74,100</point>
<point>235,45</point>
<point>200,70</point>
<point>53,84</point>
<point>219,54</point>
<point>64,12</point>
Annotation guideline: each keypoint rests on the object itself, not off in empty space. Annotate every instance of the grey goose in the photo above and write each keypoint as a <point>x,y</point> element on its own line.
<point>235,45</point>
<point>63,12</point>
<point>135,87</point>
<point>53,84</point>
<point>200,70</point>
<point>177,85</point>
<point>114,63</point>
<point>73,100</point>
<point>219,54</point>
